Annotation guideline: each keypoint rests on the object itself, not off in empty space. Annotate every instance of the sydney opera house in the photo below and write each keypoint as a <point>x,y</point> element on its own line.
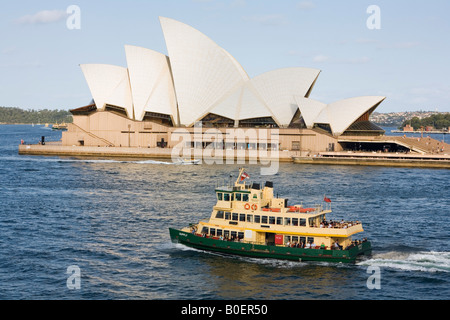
<point>142,104</point>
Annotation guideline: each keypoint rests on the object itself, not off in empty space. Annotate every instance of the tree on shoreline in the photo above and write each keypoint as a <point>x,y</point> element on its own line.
<point>16,115</point>
<point>437,121</point>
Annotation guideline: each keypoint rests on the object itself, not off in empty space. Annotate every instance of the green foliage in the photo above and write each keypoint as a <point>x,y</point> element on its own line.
<point>437,121</point>
<point>17,115</point>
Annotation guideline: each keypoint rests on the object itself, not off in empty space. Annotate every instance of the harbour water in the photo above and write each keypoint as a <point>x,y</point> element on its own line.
<point>110,219</point>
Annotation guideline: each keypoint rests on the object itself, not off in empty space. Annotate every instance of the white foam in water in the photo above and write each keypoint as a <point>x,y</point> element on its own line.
<point>44,159</point>
<point>411,261</point>
<point>264,261</point>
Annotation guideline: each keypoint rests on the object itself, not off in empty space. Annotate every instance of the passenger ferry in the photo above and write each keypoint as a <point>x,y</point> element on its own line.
<point>248,220</point>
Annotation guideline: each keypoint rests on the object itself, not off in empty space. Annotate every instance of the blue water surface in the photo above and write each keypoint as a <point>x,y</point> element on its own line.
<point>110,218</point>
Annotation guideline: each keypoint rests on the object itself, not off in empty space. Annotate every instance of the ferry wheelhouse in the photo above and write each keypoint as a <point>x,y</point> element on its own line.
<point>248,220</point>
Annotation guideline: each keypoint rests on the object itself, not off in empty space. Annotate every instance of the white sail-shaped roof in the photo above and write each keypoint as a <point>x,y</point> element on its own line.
<point>346,112</point>
<point>278,89</point>
<point>310,110</point>
<point>151,82</point>
<point>242,103</point>
<point>342,114</point>
<point>203,72</point>
<point>199,77</point>
<point>109,84</point>
<point>271,94</point>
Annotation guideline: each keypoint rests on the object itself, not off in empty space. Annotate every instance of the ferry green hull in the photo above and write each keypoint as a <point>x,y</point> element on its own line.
<point>267,251</point>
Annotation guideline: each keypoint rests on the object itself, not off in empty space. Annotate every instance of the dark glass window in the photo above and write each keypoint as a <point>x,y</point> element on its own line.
<point>219,215</point>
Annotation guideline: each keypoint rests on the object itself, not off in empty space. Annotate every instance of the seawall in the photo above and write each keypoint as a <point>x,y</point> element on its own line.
<point>330,158</point>
<point>149,153</point>
<point>385,160</point>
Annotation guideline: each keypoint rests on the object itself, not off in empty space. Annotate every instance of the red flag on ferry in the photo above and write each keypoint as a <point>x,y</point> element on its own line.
<point>244,176</point>
<point>327,199</point>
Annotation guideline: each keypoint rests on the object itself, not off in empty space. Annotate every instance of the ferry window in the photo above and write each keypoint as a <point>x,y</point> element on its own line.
<point>249,218</point>
<point>303,222</point>
<point>279,220</point>
<point>303,240</point>
<point>227,215</point>
<point>233,234</point>
<point>264,219</point>
<point>226,234</point>
<point>242,217</point>
<point>310,239</point>
<point>294,239</point>
<point>226,197</point>
<point>238,196</point>
<point>241,235</point>
<point>287,239</point>
<point>271,220</point>
<point>245,197</point>
<point>235,216</point>
<point>295,221</point>
<point>205,230</point>
<point>212,232</point>
<point>219,196</point>
<point>219,232</point>
<point>257,219</point>
<point>219,215</point>
<point>287,221</point>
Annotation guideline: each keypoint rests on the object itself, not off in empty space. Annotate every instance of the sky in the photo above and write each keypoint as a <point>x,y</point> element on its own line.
<point>401,51</point>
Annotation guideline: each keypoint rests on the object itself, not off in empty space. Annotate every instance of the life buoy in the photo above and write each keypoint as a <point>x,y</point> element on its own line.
<point>247,206</point>
<point>254,207</point>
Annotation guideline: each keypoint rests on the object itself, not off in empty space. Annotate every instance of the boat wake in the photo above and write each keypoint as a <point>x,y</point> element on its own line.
<point>70,160</point>
<point>411,261</point>
<point>275,263</point>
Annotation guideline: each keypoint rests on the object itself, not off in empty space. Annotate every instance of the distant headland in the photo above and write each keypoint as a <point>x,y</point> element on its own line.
<point>416,119</point>
<point>10,115</point>
<point>439,120</point>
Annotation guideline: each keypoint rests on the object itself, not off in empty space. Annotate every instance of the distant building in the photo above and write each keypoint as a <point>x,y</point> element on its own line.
<point>408,128</point>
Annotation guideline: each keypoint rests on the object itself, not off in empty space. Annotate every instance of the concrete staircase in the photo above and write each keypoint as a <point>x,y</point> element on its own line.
<point>104,141</point>
<point>423,145</point>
